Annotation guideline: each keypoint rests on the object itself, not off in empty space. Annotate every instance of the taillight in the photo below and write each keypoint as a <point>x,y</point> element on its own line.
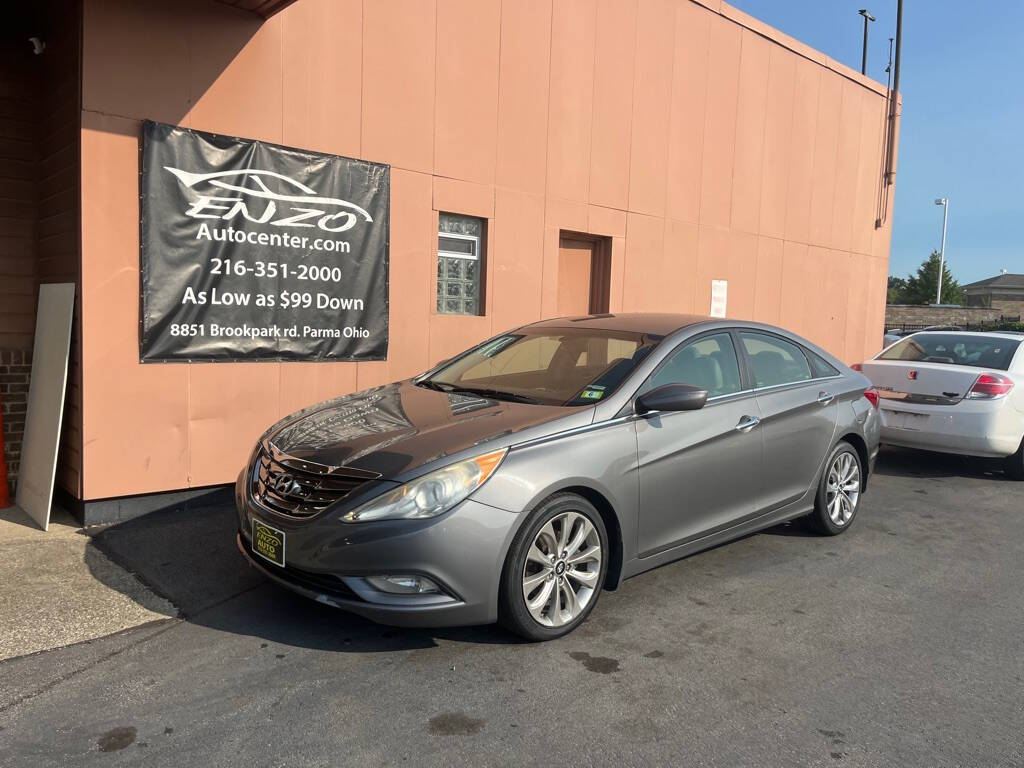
<point>990,385</point>
<point>857,367</point>
<point>872,395</point>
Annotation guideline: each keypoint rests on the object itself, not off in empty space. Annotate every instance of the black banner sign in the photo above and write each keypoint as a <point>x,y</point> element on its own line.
<point>253,251</point>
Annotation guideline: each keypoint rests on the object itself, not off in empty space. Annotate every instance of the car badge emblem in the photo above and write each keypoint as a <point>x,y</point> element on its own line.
<point>286,485</point>
<point>912,375</point>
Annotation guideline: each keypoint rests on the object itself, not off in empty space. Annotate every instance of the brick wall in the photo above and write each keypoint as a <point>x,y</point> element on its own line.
<point>15,367</point>
<point>19,125</point>
<point>1008,306</point>
<point>897,314</point>
<point>40,222</point>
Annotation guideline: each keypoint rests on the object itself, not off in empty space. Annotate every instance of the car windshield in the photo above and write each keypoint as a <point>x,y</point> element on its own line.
<point>551,366</point>
<point>954,349</point>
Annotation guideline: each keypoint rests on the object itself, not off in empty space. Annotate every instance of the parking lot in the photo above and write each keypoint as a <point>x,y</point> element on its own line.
<point>900,643</point>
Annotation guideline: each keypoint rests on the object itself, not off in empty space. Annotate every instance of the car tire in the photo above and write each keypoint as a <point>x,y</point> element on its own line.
<point>532,580</point>
<point>1013,465</point>
<point>837,501</point>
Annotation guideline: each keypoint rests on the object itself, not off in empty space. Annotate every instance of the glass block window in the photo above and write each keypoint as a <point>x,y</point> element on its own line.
<point>459,264</point>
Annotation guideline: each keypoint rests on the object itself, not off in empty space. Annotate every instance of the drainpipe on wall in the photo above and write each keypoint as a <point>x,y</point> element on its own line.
<point>890,170</point>
<point>888,155</point>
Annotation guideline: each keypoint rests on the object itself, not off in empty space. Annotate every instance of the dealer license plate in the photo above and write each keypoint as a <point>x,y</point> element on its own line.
<point>905,420</point>
<point>268,542</point>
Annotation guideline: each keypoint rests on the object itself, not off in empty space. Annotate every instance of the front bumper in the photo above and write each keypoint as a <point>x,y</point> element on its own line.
<point>463,551</point>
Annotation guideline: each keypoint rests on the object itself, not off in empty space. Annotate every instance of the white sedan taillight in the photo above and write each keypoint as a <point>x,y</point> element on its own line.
<point>989,386</point>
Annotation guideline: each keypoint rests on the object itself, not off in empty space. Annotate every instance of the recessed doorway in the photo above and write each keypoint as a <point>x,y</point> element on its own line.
<point>584,273</point>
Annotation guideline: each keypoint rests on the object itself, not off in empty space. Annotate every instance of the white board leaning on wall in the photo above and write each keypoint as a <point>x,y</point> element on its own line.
<point>46,390</point>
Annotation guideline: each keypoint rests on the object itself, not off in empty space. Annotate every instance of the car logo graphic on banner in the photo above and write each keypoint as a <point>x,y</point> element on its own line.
<point>277,208</point>
<point>912,375</point>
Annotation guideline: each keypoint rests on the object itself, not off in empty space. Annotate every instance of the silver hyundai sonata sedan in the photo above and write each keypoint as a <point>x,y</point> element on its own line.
<point>517,480</point>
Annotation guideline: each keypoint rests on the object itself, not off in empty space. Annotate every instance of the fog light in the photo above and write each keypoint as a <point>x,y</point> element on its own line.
<point>403,584</point>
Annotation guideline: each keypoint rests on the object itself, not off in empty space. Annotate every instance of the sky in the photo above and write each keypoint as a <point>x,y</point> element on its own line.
<point>962,131</point>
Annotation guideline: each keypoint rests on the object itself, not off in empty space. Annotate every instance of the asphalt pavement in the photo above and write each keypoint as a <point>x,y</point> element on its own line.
<point>900,643</point>
<point>57,589</point>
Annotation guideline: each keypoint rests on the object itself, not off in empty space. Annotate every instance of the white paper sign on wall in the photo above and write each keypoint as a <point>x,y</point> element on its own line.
<point>719,296</point>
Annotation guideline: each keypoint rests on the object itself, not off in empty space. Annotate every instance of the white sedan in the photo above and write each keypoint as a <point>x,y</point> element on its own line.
<point>954,392</point>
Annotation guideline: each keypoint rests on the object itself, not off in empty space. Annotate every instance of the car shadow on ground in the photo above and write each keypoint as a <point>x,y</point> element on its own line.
<point>189,556</point>
<point>906,462</point>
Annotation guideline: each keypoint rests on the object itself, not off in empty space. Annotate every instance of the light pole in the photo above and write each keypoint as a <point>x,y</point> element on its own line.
<point>864,54</point>
<point>944,202</point>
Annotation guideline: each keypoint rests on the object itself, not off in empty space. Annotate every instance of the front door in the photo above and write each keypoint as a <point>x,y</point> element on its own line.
<point>699,470</point>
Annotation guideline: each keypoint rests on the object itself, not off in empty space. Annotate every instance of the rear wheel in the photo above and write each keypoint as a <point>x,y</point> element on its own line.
<point>1014,465</point>
<point>839,491</point>
<point>554,570</point>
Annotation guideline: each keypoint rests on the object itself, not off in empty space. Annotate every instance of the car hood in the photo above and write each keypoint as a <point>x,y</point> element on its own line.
<point>400,427</point>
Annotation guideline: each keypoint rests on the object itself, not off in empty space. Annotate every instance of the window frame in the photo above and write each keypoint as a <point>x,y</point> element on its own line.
<point>480,259</point>
<point>737,332</point>
<point>458,236</point>
<point>741,363</point>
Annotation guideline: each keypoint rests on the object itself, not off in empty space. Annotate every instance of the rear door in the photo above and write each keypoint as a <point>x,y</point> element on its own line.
<point>798,415</point>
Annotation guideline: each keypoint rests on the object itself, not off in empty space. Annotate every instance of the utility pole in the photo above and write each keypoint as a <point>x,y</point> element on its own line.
<point>864,54</point>
<point>944,202</point>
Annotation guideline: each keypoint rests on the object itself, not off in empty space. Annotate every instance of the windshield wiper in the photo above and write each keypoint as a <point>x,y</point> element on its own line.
<point>439,386</point>
<point>499,394</point>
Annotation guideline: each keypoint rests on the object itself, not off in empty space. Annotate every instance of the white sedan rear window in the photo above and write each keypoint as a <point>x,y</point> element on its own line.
<point>954,349</point>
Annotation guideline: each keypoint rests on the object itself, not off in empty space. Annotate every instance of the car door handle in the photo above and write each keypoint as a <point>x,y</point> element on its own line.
<point>747,423</point>
<point>824,398</point>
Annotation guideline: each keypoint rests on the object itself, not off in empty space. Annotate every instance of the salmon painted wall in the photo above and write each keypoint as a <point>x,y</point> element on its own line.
<point>703,143</point>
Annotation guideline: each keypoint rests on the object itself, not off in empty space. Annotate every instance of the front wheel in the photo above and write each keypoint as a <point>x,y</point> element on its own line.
<point>554,570</point>
<point>839,491</point>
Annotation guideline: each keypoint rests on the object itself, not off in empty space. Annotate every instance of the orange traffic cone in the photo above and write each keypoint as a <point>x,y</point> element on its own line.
<point>5,489</point>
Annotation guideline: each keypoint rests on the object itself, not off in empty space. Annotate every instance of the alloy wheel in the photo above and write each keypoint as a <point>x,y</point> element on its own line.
<point>562,567</point>
<point>843,488</point>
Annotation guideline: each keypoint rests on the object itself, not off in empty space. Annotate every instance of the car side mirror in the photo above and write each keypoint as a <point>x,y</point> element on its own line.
<point>672,397</point>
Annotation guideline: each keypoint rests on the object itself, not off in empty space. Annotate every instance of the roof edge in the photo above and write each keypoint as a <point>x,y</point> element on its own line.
<point>786,41</point>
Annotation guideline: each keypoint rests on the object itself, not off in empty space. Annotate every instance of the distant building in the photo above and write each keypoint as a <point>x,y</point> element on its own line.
<point>1003,292</point>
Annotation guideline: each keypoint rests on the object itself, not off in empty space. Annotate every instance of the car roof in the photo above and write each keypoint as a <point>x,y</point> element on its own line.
<point>655,323</point>
<point>1015,335</point>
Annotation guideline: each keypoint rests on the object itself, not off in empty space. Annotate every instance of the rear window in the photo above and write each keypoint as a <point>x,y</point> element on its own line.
<point>774,361</point>
<point>820,368</point>
<point>954,349</point>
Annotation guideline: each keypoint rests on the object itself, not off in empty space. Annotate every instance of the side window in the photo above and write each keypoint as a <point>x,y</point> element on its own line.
<point>709,363</point>
<point>774,361</point>
<point>819,367</point>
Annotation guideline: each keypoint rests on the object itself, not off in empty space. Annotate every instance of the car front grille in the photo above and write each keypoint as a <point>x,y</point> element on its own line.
<point>296,488</point>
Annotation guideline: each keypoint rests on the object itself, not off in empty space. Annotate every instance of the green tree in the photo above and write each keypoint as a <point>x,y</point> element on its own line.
<point>897,290</point>
<point>921,288</point>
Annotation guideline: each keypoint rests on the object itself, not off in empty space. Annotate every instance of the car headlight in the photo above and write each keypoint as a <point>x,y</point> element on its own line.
<point>430,495</point>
